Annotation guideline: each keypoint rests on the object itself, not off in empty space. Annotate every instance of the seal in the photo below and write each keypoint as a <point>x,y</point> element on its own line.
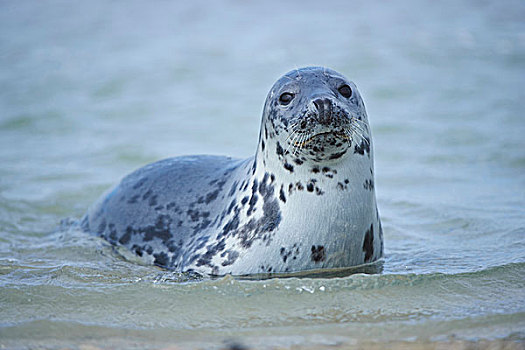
<point>305,201</point>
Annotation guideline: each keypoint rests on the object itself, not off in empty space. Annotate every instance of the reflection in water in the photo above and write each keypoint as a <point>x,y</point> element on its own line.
<point>368,269</point>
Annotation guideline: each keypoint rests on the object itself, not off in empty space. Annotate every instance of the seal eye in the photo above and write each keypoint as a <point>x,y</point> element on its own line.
<point>286,98</point>
<point>345,90</point>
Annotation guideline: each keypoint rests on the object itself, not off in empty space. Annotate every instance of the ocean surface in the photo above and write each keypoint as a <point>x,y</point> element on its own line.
<point>90,91</point>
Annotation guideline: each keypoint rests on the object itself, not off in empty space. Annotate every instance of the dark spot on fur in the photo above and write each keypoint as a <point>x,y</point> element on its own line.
<point>133,199</point>
<point>101,226</point>
<point>204,223</point>
<point>232,255</point>
<point>286,254</point>
<point>368,244</point>
<point>281,194</point>
<point>231,225</point>
<point>140,183</point>
<point>337,155</point>
<point>173,247</point>
<point>310,187</point>
<point>160,230</point>
<point>369,184</point>
<point>126,236</point>
<point>230,208</point>
<point>211,251</point>
<point>288,167</point>
<point>211,196</point>
<point>279,149</point>
<point>146,195</point>
<point>363,147</point>
<point>193,214</point>
<point>381,237</point>
<point>153,201</point>
<point>318,253</point>
<point>271,217</point>
<point>161,259</point>
<point>137,250</point>
<point>262,185</point>
<point>233,188</point>
<point>261,228</point>
<point>315,170</point>
<point>252,202</point>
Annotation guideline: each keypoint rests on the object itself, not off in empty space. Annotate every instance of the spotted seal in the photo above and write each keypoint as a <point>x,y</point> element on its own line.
<point>305,201</point>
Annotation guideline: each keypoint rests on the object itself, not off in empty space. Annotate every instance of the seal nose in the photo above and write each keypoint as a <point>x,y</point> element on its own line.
<point>324,110</point>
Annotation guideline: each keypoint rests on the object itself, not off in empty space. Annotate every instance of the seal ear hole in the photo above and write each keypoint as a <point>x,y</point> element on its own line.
<point>345,90</point>
<point>286,98</point>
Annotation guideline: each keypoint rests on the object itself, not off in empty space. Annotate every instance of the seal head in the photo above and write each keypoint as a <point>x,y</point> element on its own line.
<point>313,114</point>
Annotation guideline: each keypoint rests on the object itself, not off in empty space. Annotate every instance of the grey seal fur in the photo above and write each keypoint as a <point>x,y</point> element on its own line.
<point>305,201</point>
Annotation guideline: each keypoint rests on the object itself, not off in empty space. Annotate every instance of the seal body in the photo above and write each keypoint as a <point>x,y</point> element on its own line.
<point>305,201</point>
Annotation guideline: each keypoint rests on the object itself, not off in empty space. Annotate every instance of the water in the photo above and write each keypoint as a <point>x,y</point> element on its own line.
<point>91,91</point>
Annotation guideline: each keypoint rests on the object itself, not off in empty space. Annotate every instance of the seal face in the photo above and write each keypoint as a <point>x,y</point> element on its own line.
<point>305,201</point>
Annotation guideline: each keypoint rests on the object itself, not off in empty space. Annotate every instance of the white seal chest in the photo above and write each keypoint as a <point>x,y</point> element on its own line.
<point>305,201</point>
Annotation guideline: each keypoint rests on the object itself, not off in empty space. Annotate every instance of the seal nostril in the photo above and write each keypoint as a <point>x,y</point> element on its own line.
<point>324,110</point>
<point>329,108</point>
<point>318,104</point>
